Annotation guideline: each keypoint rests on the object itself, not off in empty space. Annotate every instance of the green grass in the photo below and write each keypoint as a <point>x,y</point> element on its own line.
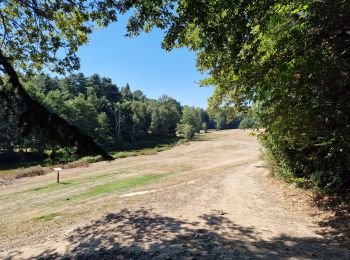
<point>62,185</point>
<point>47,217</point>
<point>124,154</point>
<point>117,186</point>
<point>100,190</point>
<point>151,143</point>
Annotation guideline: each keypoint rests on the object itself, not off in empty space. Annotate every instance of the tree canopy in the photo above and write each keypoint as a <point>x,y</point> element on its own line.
<point>37,34</point>
<point>291,59</point>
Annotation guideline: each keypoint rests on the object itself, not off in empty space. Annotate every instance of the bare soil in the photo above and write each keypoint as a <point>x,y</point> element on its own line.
<point>213,199</point>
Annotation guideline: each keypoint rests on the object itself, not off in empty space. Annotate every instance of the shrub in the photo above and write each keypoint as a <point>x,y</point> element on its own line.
<point>124,154</point>
<point>326,182</point>
<point>181,141</point>
<point>29,172</point>
<point>247,123</point>
<point>186,131</point>
<point>65,155</point>
<point>324,165</point>
<point>84,162</point>
<point>91,159</point>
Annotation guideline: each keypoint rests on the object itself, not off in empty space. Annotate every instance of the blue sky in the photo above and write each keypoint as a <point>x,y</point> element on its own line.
<point>142,63</point>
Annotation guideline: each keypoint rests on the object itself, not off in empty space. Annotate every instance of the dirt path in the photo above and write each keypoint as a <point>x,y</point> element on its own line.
<point>209,198</point>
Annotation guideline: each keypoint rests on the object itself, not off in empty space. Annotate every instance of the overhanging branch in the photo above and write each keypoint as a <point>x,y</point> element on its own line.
<point>56,129</point>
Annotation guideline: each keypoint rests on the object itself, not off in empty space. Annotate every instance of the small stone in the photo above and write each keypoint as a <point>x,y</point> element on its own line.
<point>58,218</point>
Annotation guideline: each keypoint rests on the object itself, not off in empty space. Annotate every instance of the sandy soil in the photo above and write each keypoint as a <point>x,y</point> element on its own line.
<point>216,201</point>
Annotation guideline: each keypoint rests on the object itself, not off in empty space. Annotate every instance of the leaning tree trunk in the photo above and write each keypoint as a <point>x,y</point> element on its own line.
<point>56,129</point>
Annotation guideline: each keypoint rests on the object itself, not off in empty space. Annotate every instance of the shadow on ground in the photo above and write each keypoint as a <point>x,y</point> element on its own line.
<point>143,234</point>
<point>339,222</point>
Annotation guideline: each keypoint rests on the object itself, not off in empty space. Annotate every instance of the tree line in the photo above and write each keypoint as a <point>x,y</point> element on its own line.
<point>112,116</point>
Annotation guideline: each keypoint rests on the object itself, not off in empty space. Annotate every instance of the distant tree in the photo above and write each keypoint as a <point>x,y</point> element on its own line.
<point>34,35</point>
<point>219,119</point>
<point>165,117</point>
<point>185,130</point>
<point>141,119</point>
<point>170,102</point>
<point>138,95</point>
<point>98,107</point>
<point>126,93</point>
<point>192,116</point>
<point>205,117</point>
<point>205,127</point>
<point>248,120</point>
<point>83,114</point>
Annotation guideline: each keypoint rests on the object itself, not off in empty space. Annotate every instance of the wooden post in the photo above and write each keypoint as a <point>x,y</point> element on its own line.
<point>57,170</point>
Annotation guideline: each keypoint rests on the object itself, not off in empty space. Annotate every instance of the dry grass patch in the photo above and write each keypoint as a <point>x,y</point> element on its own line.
<point>29,172</point>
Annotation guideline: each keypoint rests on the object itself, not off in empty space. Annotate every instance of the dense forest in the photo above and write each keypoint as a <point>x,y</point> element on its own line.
<point>114,117</point>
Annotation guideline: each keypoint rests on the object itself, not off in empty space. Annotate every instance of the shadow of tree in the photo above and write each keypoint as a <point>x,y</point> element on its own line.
<point>142,234</point>
<point>338,224</point>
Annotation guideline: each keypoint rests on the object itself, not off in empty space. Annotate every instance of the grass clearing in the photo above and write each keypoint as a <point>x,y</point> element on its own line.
<point>117,186</point>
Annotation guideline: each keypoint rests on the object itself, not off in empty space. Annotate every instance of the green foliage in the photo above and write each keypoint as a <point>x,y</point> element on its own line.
<point>191,122</point>
<point>141,119</point>
<point>290,58</point>
<point>124,154</point>
<point>38,35</point>
<point>187,131</point>
<point>192,116</point>
<point>326,181</point>
<point>33,32</point>
<point>248,120</point>
<point>219,119</point>
<point>165,116</point>
<point>205,127</point>
<point>91,159</point>
<point>117,120</point>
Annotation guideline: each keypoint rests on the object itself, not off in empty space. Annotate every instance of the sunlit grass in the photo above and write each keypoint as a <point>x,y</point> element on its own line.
<point>117,186</point>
